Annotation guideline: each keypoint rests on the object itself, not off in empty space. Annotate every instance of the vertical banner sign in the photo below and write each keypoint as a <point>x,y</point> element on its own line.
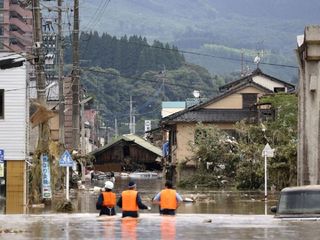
<point>1,163</point>
<point>1,155</point>
<point>46,184</point>
<point>1,170</point>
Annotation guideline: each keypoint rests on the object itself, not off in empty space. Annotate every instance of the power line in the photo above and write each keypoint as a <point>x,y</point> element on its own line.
<point>208,55</point>
<point>212,56</point>
<point>147,80</point>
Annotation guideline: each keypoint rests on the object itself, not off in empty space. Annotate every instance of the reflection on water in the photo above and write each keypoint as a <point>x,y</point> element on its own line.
<point>168,227</point>
<point>153,226</point>
<point>129,228</point>
<point>109,228</point>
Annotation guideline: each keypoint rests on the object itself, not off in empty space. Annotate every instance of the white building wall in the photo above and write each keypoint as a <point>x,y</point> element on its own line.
<point>13,126</point>
<point>268,83</point>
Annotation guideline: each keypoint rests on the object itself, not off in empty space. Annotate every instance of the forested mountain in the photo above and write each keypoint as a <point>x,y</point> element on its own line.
<point>129,55</point>
<point>115,69</point>
<point>270,25</point>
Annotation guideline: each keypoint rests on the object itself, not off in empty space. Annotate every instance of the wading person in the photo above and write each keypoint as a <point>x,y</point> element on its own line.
<point>168,200</point>
<point>107,200</point>
<point>130,202</point>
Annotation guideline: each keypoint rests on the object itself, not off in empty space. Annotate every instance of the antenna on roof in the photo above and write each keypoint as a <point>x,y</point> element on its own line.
<point>242,66</point>
<point>259,56</point>
<point>196,93</point>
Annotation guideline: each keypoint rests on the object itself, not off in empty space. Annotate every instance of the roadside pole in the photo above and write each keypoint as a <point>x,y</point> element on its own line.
<point>66,161</point>
<point>67,184</point>
<point>265,178</point>
<point>266,152</point>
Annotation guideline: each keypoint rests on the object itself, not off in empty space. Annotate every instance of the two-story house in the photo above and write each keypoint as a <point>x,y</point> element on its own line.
<point>235,103</point>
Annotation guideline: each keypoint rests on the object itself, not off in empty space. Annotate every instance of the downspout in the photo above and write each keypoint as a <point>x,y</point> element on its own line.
<point>27,129</point>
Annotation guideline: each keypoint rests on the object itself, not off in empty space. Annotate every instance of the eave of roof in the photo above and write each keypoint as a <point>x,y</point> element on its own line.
<point>215,99</point>
<point>257,72</point>
<point>130,138</point>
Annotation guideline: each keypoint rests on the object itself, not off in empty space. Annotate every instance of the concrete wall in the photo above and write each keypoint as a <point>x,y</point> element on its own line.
<point>308,166</point>
<point>233,101</point>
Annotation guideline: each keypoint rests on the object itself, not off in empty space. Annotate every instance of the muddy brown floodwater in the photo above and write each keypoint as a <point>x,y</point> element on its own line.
<point>214,215</point>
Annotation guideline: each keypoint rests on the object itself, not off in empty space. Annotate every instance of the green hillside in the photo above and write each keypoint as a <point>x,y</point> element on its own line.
<point>190,24</point>
<point>115,69</point>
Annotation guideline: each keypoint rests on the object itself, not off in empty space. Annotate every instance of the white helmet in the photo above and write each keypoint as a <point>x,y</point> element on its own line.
<point>108,185</point>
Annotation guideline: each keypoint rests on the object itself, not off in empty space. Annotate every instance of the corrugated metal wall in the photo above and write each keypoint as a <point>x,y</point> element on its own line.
<point>13,135</point>
<point>13,126</point>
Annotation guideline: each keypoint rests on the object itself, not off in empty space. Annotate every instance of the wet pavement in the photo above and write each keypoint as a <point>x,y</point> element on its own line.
<point>153,226</point>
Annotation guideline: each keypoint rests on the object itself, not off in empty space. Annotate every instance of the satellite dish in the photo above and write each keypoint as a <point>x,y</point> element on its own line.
<point>196,93</point>
<point>257,60</point>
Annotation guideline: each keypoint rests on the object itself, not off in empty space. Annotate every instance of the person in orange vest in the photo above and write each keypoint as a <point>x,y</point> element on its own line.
<point>168,200</point>
<point>107,200</point>
<point>130,202</point>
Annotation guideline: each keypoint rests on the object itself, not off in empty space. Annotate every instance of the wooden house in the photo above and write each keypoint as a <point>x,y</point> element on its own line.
<point>235,103</point>
<point>127,153</point>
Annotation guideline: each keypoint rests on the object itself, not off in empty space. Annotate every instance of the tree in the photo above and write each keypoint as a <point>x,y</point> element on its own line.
<point>212,157</point>
<point>281,134</point>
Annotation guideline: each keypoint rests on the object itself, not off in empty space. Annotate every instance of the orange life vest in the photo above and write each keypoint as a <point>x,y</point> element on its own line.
<point>109,199</point>
<point>168,199</point>
<point>129,200</point>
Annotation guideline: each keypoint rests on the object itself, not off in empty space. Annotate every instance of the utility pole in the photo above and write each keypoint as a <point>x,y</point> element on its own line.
<point>39,58</point>
<point>39,72</point>
<point>131,116</point>
<point>61,74</point>
<point>116,127</point>
<point>75,78</point>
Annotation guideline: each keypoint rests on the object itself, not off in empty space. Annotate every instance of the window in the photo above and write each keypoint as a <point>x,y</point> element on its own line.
<point>1,3</point>
<point>1,103</point>
<point>248,100</point>
<point>13,41</point>
<point>279,89</point>
<point>199,135</point>
<point>13,27</point>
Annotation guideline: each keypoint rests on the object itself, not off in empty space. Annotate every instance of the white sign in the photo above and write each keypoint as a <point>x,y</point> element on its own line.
<point>1,170</point>
<point>147,125</point>
<point>46,184</point>
<point>267,151</point>
<point>1,155</point>
<point>66,160</point>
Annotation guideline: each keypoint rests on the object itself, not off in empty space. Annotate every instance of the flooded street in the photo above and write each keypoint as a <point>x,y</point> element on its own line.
<point>213,215</point>
<point>153,226</point>
<point>206,201</point>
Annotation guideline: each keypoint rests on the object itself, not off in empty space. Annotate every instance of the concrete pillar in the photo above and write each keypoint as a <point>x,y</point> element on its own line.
<point>308,52</point>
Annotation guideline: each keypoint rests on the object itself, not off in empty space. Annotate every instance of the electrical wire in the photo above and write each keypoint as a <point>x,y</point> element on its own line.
<point>146,80</point>
<point>212,56</point>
